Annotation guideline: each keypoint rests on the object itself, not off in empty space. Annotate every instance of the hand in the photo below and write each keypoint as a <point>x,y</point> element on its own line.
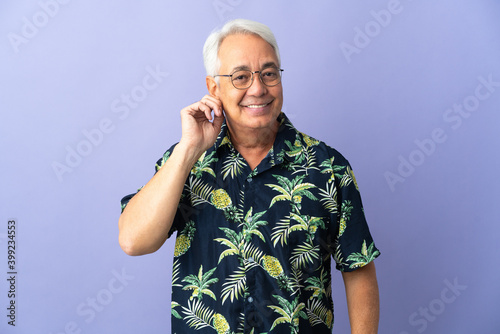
<point>199,129</point>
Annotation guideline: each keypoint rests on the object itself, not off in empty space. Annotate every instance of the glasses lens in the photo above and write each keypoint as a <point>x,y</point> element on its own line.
<point>271,76</point>
<point>241,79</point>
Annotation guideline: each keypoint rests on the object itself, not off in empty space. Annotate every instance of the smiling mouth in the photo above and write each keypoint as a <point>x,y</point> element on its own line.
<point>256,106</point>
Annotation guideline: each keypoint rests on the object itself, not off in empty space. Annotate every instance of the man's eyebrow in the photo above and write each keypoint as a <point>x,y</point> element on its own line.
<point>246,68</point>
<point>270,64</point>
<point>240,68</point>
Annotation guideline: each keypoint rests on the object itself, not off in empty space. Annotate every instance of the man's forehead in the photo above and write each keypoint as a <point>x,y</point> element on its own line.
<point>229,47</point>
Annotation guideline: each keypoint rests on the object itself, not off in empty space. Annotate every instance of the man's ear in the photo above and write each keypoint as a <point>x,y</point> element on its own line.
<point>213,88</point>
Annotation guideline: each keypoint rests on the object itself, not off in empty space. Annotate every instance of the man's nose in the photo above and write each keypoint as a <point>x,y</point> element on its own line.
<point>257,88</point>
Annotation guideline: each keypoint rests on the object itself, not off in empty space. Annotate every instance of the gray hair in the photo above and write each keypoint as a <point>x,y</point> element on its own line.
<point>238,26</point>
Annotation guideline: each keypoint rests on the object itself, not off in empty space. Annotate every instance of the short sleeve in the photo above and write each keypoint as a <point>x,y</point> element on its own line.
<point>159,164</point>
<point>354,245</point>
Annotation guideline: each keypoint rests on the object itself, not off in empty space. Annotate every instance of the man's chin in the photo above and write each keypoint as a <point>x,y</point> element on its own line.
<point>256,122</point>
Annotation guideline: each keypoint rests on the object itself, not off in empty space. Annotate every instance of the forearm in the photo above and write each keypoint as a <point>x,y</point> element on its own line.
<point>363,300</point>
<point>148,217</point>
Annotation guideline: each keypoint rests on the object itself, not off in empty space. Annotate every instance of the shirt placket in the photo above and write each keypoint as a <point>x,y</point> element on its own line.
<point>250,298</point>
<point>255,299</point>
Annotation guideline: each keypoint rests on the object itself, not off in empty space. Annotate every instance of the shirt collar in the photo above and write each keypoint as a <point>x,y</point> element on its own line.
<point>287,133</point>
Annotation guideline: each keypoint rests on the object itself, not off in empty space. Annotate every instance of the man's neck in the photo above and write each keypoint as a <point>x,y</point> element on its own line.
<point>253,144</point>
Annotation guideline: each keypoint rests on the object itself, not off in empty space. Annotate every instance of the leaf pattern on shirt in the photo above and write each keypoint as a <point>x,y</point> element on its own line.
<point>200,284</point>
<point>303,155</point>
<point>290,313</point>
<point>285,234</point>
<point>203,165</point>
<point>367,255</point>
<point>291,190</point>
<point>233,165</point>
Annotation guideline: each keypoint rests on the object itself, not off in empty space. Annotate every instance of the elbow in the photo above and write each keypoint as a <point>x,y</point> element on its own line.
<point>135,242</point>
<point>133,246</point>
<point>126,240</point>
<point>128,246</point>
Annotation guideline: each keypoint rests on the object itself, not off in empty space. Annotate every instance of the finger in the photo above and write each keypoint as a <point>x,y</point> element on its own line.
<point>206,109</point>
<point>214,103</point>
<point>218,120</point>
<point>197,110</point>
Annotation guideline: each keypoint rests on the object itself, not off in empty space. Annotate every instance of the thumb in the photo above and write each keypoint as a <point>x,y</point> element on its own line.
<point>217,122</point>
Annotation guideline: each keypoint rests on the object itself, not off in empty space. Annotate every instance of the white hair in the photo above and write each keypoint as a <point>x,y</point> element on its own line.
<point>238,26</point>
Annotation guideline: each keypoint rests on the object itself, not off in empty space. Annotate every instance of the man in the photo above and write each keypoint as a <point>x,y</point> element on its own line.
<point>259,208</point>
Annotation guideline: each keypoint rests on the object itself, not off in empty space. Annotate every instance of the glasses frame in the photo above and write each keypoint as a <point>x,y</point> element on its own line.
<point>280,70</point>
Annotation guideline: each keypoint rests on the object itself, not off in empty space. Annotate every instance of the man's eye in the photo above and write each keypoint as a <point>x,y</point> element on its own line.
<point>241,77</point>
<point>270,75</point>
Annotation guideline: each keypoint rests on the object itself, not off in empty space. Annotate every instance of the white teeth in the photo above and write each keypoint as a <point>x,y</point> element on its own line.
<point>257,105</point>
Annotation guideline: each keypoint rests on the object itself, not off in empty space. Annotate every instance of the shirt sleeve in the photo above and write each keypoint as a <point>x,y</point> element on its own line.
<point>182,206</point>
<point>354,246</point>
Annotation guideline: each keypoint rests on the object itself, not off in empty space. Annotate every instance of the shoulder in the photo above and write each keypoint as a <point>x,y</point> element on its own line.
<point>322,150</point>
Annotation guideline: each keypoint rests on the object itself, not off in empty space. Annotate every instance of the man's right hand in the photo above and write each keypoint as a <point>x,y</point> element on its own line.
<point>148,217</point>
<point>199,128</point>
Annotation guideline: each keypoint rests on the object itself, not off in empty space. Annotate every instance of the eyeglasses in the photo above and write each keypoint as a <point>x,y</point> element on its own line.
<point>243,79</point>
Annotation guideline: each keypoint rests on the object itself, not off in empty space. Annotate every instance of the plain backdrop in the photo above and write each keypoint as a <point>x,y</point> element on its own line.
<point>408,91</point>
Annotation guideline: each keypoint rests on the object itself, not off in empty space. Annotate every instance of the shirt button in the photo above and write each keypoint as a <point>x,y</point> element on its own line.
<point>249,219</point>
<point>250,299</point>
<point>250,259</point>
<point>249,179</point>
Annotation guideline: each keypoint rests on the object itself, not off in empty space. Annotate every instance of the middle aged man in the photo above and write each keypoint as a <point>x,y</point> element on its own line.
<point>259,207</point>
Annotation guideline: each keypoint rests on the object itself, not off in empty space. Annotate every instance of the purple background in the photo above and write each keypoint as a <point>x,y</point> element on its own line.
<point>382,90</point>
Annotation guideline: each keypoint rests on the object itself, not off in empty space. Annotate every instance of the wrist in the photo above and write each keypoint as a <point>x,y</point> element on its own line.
<point>187,153</point>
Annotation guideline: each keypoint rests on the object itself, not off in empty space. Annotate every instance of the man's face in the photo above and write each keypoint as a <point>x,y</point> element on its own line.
<point>258,106</point>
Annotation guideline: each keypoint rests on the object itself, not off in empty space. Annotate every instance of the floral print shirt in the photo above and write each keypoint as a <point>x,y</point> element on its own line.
<point>254,247</point>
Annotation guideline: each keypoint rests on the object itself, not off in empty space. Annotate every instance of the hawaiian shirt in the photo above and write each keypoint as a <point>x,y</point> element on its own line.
<point>254,247</point>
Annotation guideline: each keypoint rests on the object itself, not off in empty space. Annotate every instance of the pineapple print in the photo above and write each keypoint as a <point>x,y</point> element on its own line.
<point>274,269</point>
<point>272,266</point>
<point>342,225</point>
<point>220,199</point>
<point>220,324</point>
<point>346,214</point>
<point>183,241</point>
